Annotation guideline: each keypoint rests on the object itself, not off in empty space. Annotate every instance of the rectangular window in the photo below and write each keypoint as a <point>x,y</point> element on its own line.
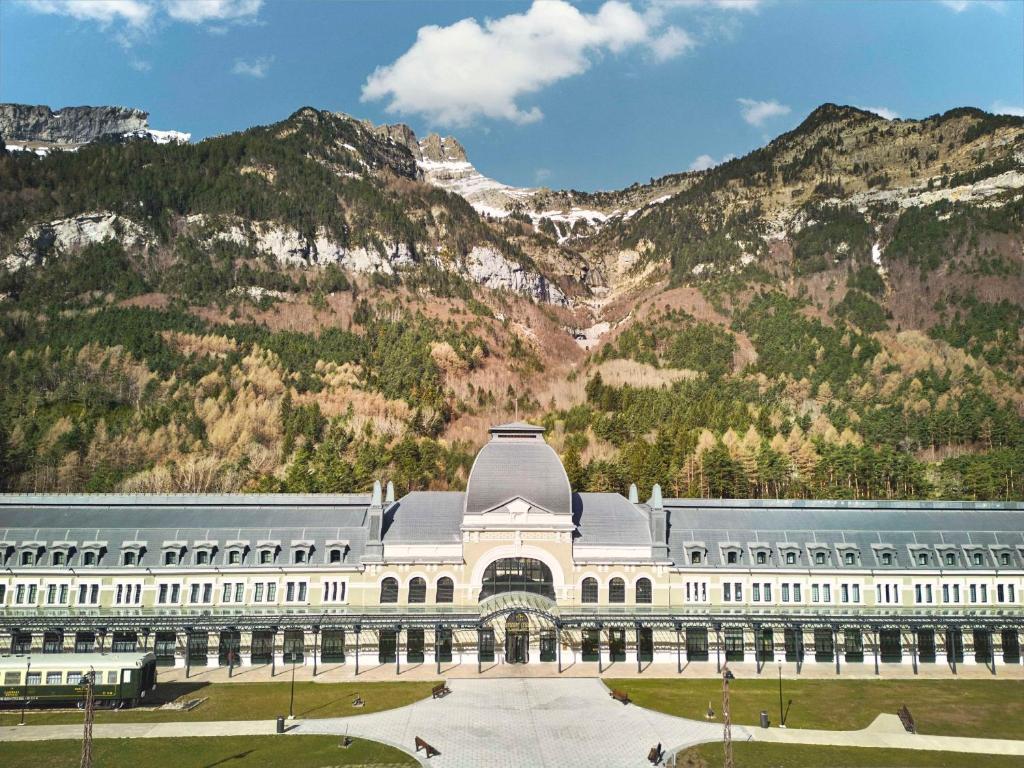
<point>208,593</point>
<point>19,594</point>
<point>289,594</point>
<point>53,678</point>
<point>12,678</point>
<point>756,589</point>
<point>239,592</point>
<point>271,591</point>
<point>984,593</point>
<point>727,587</point>
<point>814,593</point>
<point>257,595</point>
<point>945,593</point>
<point>845,590</point>
<point>74,678</point>
<point>739,592</point>
<point>917,593</point>
<point>226,596</point>
<point>767,593</point>
<point>856,593</point>
<point>194,594</point>
<point>302,591</point>
<point>974,593</point>
<point>175,593</point>
<point>796,593</point>
<point>785,593</point>
<point>928,593</point>
<point>162,594</point>
<point>956,593</point>
<point>828,593</point>
<point>32,594</point>
<point>1010,596</point>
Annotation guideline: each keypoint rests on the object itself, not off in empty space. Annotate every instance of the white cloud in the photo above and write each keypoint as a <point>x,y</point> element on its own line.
<point>758,112</point>
<point>456,74</point>
<point>140,65</point>
<point>1002,108</point>
<point>885,112</point>
<point>134,13</point>
<point>253,68</point>
<point>959,6</point>
<point>199,11</point>
<point>724,5</point>
<point>703,162</point>
<point>672,42</point>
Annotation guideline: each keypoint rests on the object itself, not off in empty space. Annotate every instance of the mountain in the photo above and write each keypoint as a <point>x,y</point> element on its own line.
<point>312,304</point>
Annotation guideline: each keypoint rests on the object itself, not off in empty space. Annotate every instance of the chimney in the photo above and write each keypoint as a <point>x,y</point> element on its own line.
<point>375,521</point>
<point>389,495</point>
<point>634,496</point>
<point>659,524</point>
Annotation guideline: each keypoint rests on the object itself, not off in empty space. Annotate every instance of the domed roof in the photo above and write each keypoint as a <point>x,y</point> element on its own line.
<point>518,463</point>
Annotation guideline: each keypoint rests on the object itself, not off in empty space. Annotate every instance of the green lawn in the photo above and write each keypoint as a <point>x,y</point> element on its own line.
<point>233,751</point>
<point>984,708</point>
<point>249,701</point>
<point>811,756</point>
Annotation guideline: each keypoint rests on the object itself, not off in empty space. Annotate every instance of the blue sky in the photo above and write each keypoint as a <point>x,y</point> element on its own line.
<point>588,96</point>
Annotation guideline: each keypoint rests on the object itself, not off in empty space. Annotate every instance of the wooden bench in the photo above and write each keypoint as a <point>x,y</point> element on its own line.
<point>620,696</point>
<point>656,755</point>
<point>907,719</point>
<point>439,690</point>
<point>421,744</point>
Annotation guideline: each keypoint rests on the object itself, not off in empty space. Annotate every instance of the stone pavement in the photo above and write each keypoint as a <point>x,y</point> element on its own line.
<point>540,723</point>
<point>139,730</point>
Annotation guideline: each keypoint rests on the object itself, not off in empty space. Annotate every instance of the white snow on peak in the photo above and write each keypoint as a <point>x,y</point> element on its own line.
<point>169,137</point>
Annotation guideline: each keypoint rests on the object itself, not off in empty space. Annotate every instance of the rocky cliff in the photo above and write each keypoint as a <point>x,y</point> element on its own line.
<point>70,125</point>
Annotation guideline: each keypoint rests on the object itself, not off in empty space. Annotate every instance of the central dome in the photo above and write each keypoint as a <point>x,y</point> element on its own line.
<point>517,463</point>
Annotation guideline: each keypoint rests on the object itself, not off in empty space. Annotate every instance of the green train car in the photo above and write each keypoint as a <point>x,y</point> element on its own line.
<point>121,679</point>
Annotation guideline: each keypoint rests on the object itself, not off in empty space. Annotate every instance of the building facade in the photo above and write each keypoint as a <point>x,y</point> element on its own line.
<point>517,569</point>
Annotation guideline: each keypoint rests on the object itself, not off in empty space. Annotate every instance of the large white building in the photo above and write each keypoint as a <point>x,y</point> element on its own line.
<point>518,569</point>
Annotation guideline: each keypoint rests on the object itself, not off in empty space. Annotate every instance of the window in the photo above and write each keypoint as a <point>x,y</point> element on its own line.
<point>445,590</point>
<point>74,678</point>
<point>300,556</point>
<point>289,593</point>
<point>732,557</point>
<point>727,591</point>
<point>979,559</point>
<point>850,558</point>
<point>162,594</point>
<point>335,556</point>
<point>1004,558</point>
<point>170,558</point>
<point>785,593</point>
<point>194,594</point>
<point>950,558</point>
<point>790,558</point>
<point>334,591</point>
<point>945,593</point>
<point>89,558</point>
<point>202,557</point>
<point>417,590</point>
<point>266,557</point>
<point>695,557</point>
<point>389,590</point>
<point>27,558</point>
<point>88,594</point>
<point>756,590</point>
<point>844,592</point>
<point>738,592</point>
<point>767,593</point>
<point>589,591</point>
<point>257,595</point>
<point>819,558</point>
<point>234,557</point>
<point>53,678</point>
<point>643,590</point>
<point>886,558</point>
<point>827,593</point>
<point>129,558</point>
<point>239,592</point>
<point>517,574</point>
<point>796,593</point>
<point>762,558</point>
<point>922,558</point>
<point>815,595</point>
<point>616,591</point>
<point>856,593</point>
<point>59,558</point>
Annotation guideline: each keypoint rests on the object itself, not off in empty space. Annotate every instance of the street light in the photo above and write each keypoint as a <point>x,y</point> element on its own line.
<point>24,699</point>
<point>781,714</point>
<point>291,702</point>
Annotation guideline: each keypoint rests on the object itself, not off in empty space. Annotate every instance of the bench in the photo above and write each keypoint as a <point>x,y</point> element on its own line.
<point>656,755</point>
<point>421,744</point>
<point>907,719</point>
<point>620,696</point>
<point>439,690</point>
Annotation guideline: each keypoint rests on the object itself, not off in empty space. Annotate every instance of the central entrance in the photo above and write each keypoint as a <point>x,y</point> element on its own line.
<point>517,638</point>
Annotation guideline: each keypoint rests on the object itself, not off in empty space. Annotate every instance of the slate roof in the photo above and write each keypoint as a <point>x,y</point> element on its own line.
<point>225,520</point>
<point>609,519</point>
<point>869,528</point>
<point>425,517</point>
<point>509,467</point>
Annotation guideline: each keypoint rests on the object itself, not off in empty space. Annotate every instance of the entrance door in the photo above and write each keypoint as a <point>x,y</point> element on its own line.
<point>982,646</point>
<point>517,638</point>
<point>387,646</point>
<point>294,646</point>
<point>228,648</point>
<point>794,642</point>
<point>926,645</point>
<point>164,646</point>
<point>1011,647</point>
<point>262,647</point>
<point>547,645</point>
<point>889,645</point>
<point>617,644</point>
<point>765,645</point>
<point>955,645</point>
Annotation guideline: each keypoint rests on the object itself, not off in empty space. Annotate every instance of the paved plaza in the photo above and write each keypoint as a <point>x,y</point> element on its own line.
<point>537,722</point>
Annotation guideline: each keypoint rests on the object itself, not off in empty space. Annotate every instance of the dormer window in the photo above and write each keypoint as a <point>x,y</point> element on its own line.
<point>732,557</point>
<point>922,558</point>
<point>979,559</point>
<point>89,558</point>
<point>28,558</point>
<point>170,557</point>
<point>696,557</point>
<point>300,556</point>
<point>266,557</point>
<point>335,556</point>
<point>819,558</point>
<point>235,557</point>
<point>1004,558</point>
<point>886,558</point>
<point>130,558</point>
<point>951,558</point>
<point>59,558</point>
<point>791,558</point>
<point>850,558</point>
<point>202,557</point>
<point>762,558</point>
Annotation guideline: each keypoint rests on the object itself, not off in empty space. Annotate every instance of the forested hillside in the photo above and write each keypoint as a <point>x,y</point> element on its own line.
<point>294,308</point>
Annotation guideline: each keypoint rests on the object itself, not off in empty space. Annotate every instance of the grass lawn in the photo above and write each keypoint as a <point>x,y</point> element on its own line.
<point>810,756</point>
<point>234,751</point>
<point>248,701</point>
<point>983,708</point>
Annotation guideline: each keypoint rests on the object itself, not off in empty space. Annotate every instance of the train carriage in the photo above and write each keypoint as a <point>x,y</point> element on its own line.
<point>121,679</point>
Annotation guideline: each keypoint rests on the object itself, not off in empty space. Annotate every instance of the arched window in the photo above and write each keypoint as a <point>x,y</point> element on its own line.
<point>517,574</point>
<point>417,590</point>
<point>335,555</point>
<point>696,558</point>
<point>886,558</point>
<point>850,558</point>
<point>819,558</point>
<point>643,590</point>
<point>26,558</point>
<point>89,558</point>
<point>266,557</point>
<point>300,555</point>
<point>589,592</point>
<point>58,558</point>
<point>170,558</point>
<point>202,557</point>
<point>922,559</point>
<point>950,558</point>
<point>389,590</point>
<point>979,559</point>
<point>445,590</point>
<point>616,591</point>
<point>129,558</point>
<point>790,558</point>
<point>234,557</point>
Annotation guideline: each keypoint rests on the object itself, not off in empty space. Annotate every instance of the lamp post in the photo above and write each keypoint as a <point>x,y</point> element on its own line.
<point>782,714</point>
<point>291,701</point>
<point>24,698</point>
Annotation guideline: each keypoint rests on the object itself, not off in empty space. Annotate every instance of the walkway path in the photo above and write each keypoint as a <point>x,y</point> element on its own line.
<point>542,723</point>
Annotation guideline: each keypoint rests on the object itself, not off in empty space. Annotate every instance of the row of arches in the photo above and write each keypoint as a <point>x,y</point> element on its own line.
<point>444,590</point>
<point>642,590</point>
